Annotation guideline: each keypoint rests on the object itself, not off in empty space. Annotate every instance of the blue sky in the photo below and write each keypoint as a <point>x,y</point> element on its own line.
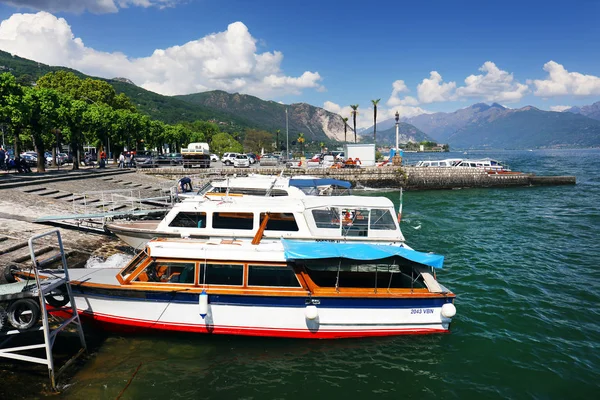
<point>415,56</point>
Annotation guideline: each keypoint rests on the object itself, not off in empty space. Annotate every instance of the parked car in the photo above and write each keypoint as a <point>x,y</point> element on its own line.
<point>146,159</point>
<point>228,158</point>
<point>252,158</point>
<point>169,159</point>
<point>214,158</point>
<point>269,160</point>
<point>241,161</point>
<point>30,159</point>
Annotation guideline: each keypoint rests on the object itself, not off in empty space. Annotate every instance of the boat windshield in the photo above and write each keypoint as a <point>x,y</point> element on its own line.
<point>343,273</point>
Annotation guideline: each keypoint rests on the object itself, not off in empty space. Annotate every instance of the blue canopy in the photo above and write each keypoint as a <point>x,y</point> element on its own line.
<point>300,183</point>
<point>298,250</point>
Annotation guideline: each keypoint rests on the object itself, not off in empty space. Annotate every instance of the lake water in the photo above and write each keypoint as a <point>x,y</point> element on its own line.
<point>522,261</point>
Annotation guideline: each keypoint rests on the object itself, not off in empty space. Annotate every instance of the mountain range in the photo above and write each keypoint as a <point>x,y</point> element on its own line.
<point>591,111</point>
<point>476,126</point>
<point>232,112</point>
<point>494,126</point>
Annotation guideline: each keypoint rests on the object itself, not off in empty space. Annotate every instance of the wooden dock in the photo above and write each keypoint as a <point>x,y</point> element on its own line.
<point>411,178</point>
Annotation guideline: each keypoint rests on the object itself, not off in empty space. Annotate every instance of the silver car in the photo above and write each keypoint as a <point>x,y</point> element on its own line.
<point>241,161</point>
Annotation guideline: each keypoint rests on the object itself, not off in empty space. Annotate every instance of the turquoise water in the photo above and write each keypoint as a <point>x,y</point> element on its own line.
<point>522,261</point>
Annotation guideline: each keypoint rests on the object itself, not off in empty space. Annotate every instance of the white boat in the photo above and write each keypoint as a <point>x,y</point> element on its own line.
<point>486,164</point>
<point>346,218</point>
<point>281,289</point>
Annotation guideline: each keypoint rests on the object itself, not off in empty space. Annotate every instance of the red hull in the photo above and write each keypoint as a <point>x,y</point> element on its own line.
<point>115,324</point>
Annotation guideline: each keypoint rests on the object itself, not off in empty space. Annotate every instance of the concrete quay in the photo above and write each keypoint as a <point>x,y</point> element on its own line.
<point>410,178</point>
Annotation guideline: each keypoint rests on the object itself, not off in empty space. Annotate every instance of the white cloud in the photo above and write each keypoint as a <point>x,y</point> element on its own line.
<point>400,87</point>
<point>433,90</point>
<point>494,85</point>
<point>225,60</point>
<point>94,6</point>
<point>561,82</point>
<point>559,108</point>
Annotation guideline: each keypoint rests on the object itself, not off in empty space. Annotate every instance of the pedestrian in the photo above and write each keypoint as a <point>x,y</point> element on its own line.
<point>185,184</point>
<point>121,161</point>
<point>128,160</point>
<point>2,158</point>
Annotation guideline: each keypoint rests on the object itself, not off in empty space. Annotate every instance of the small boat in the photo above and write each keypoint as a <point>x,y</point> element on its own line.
<point>347,218</point>
<point>274,186</point>
<point>486,164</point>
<point>287,288</point>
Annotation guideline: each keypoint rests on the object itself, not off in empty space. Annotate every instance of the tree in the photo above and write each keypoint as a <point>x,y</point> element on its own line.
<point>322,146</point>
<point>256,140</point>
<point>75,124</point>
<point>98,121</point>
<point>345,129</point>
<point>224,142</point>
<point>42,116</point>
<point>354,113</point>
<point>12,108</point>
<point>375,102</point>
<point>301,140</point>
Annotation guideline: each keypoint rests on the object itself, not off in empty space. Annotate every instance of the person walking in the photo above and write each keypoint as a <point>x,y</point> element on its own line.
<point>2,158</point>
<point>121,161</point>
<point>128,160</point>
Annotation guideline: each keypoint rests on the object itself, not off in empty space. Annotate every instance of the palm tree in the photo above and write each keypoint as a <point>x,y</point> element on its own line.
<point>277,140</point>
<point>345,129</point>
<point>322,145</point>
<point>375,121</point>
<point>301,141</point>
<point>354,113</point>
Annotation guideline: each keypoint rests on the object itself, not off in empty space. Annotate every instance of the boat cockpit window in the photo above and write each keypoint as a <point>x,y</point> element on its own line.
<point>167,272</point>
<point>381,274</point>
<point>328,218</point>
<point>382,220</point>
<point>249,191</point>
<point>280,222</point>
<point>355,222</point>
<point>189,220</point>
<point>222,274</point>
<point>133,264</point>
<point>262,275</point>
<point>233,221</point>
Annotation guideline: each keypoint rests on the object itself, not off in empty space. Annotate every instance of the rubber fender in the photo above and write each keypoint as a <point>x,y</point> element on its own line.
<point>58,297</point>
<point>23,314</point>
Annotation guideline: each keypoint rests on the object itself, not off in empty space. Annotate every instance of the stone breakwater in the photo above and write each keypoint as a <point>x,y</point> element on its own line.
<point>416,178</point>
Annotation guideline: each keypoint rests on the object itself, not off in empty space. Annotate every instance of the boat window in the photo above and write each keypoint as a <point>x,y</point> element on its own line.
<point>327,218</point>
<point>222,274</point>
<point>261,275</point>
<point>233,221</point>
<point>167,272</point>
<point>383,274</point>
<point>280,222</point>
<point>382,220</point>
<point>133,264</point>
<point>355,222</point>
<point>189,220</point>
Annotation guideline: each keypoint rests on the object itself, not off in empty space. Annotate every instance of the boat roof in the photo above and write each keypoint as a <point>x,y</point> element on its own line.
<point>298,250</point>
<point>284,250</point>
<point>280,204</point>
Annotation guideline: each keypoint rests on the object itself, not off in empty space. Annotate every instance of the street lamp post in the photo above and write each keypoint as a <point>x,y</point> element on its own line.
<point>56,159</point>
<point>397,160</point>
<point>287,135</point>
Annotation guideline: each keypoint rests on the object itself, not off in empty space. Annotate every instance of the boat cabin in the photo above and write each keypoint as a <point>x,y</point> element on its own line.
<point>299,268</point>
<point>316,218</point>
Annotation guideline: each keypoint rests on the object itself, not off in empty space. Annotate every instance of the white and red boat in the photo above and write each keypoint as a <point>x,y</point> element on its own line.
<point>290,288</point>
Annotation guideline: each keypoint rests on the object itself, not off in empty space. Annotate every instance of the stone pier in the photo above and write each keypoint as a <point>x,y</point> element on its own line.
<point>417,178</point>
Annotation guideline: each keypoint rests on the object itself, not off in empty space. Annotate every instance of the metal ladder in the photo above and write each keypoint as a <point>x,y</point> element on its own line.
<point>51,280</point>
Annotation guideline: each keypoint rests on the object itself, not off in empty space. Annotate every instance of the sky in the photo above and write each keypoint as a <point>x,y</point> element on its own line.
<point>416,56</point>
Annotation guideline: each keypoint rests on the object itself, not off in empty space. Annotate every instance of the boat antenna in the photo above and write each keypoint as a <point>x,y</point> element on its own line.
<point>400,208</point>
